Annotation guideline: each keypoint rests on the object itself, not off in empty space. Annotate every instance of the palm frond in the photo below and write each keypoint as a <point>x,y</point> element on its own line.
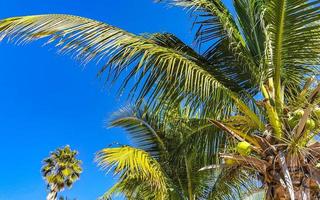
<point>162,62</point>
<point>214,19</point>
<point>217,26</point>
<point>290,26</point>
<point>205,139</point>
<point>134,164</point>
<point>249,14</point>
<point>229,184</point>
<point>143,127</point>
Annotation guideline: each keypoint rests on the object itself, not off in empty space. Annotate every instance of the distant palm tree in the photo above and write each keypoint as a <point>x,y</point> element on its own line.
<point>167,162</point>
<point>254,75</point>
<point>61,170</point>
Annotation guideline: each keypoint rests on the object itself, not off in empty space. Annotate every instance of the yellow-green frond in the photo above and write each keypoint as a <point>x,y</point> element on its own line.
<point>163,63</point>
<point>135,164</point>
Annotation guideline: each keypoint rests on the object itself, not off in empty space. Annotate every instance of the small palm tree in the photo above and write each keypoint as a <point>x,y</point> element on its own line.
<point>61,170</point>
<point>167,162</point>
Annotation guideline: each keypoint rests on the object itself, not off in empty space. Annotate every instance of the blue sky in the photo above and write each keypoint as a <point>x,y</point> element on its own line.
<point>48,101</point>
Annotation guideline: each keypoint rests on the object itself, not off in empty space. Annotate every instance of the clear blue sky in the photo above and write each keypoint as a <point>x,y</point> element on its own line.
<point>48,101</point>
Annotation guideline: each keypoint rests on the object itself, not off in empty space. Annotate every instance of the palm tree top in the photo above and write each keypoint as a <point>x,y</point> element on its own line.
<point>62,168</point>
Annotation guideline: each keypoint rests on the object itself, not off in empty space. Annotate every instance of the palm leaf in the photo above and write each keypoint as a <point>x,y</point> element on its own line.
<point>229,184</point>
<point>205,139</point>
<point>134,165</point>
<point>163,63</point>
<point>143,127</point>
<point>291,25</point>
<point>249,17</point>
<point>217,26</point>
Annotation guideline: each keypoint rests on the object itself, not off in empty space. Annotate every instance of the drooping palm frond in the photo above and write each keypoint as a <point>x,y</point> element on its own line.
<point>134,164</point>
<point>143,127</point>
<point>163,63</point>
<point>214,19</point>
<point>217,26</point>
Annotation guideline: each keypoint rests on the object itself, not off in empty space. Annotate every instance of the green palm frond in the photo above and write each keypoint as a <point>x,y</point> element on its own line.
<point>205,139</point>
<point>143,128</point>
<point>230,184</point>
<point>217,26</point>
<point>214,19</point>
<point>131,189</point>
<point>134,164</point>
<point>249,14</point>
<point>163,63</point>
<point>290,26</point>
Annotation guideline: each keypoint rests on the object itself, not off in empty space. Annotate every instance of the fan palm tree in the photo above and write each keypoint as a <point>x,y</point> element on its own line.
<point>61,170</point>
<point>254,77</point>
<point>167,162</point>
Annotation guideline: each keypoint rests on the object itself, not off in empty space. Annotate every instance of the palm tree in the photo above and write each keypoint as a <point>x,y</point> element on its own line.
<point>253,76</point>
<point>61,170</point>
<point>167,162</point>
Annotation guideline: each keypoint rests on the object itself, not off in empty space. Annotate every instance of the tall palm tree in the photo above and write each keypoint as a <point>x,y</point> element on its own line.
<point>61,170</point>
<point>168,159</point>
<point>255,77</point>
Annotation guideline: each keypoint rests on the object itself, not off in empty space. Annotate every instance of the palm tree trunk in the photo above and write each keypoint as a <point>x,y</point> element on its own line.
<point>278,192</point>
<point>304,189</point>
<point>52,195</point>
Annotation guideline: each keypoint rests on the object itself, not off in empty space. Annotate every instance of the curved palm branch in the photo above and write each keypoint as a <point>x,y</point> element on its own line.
<point>217,26</point>
<point>214,18</point>
<point>143,127</point>
<point>161,61</point>
<point>134,165</point>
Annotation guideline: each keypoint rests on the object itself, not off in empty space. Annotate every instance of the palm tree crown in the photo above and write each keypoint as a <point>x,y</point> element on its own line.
<point>61,169</point>
<point>172,149</point>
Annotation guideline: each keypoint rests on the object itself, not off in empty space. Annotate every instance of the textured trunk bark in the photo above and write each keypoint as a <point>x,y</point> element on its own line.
<point>52,195</point>
<point>302,191</point>
<point>291,179</point>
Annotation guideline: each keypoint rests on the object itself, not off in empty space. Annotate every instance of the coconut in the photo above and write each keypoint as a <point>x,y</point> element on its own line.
<point>229,162</point>
<point>310,124</point>
<point>298,113</point>
<point>244,148</point>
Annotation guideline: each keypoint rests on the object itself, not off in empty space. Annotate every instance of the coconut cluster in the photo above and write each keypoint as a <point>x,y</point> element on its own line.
<point>244,148</point>
<point>311,123</point>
